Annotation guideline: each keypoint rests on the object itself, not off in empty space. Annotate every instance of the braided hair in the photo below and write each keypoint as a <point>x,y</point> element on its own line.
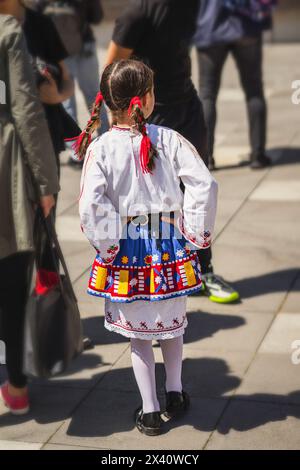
<point>84,139</point>
<point>123,84</point>
<point>147,151</point>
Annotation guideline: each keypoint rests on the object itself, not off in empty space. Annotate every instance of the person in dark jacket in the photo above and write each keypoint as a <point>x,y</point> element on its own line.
<point>160,33</point>
<point>28,176</point>
<point>222,31</point>
<point>73,20</point>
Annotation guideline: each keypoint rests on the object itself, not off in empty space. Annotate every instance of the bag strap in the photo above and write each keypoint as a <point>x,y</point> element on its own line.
<point>52,236</point>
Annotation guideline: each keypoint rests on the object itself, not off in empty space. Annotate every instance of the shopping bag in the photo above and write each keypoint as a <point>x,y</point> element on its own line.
<point>53,333</point>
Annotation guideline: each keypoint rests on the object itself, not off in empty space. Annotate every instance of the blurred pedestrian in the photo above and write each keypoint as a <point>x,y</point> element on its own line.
<point>234,27</point>
<point>160,33</point>
<point>54,80</point>
<point>28,176</point>
<point>145,269</point>
<point>73,20</point>
<point>55,85</point>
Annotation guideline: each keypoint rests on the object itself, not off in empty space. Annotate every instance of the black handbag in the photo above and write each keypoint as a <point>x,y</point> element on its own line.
<point>53,333</point>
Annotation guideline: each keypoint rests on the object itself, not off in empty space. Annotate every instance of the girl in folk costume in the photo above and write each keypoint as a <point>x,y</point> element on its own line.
<point>144,229</point>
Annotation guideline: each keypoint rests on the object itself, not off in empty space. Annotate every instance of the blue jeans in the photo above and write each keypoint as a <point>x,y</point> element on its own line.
<point>84,68</point>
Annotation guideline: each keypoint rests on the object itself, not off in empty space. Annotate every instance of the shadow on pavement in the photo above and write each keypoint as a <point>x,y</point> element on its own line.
<point>201,325</point>
<point>287,155</point>
<point>109,409</point>
<point>275,281</point>
<point>279,156</point>
<point>103,404</point>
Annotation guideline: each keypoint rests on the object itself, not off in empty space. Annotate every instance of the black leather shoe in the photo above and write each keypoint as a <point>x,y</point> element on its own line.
<point>260,162</point>
<point>148,423</point>
<point>176,404</point>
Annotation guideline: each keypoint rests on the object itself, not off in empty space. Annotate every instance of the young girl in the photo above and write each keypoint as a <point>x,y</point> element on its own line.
<point>144,229</point>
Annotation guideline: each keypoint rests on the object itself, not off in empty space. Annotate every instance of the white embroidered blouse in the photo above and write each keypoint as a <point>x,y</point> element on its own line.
<point>113,187</point>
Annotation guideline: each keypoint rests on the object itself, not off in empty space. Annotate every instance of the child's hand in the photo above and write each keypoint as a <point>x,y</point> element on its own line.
<point>47,203</point>
<point>168,220</point>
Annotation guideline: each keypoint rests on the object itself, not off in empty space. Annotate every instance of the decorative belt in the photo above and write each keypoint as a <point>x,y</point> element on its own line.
<point>150,219</point>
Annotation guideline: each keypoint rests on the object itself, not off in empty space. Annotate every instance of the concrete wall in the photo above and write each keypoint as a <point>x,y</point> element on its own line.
<point>286,18</point>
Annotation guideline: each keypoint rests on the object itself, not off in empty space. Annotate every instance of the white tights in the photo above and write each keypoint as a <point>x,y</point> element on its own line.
<point>143,363</point>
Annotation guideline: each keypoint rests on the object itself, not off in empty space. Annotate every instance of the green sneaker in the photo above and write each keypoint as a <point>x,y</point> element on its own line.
<point>218,290</point>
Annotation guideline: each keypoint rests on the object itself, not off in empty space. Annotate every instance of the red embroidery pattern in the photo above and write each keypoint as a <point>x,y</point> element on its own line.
<point>203,240</point>
<point>143,327</point>
<point>112,252</point>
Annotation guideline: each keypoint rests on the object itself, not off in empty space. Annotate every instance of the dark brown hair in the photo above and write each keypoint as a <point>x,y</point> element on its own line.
<point>121,81</point>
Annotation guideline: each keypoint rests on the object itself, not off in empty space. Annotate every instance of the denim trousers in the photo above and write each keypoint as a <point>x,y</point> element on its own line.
<point>84,69</point>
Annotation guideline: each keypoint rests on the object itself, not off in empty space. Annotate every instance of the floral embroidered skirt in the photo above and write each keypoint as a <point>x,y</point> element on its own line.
<point>147,284</point>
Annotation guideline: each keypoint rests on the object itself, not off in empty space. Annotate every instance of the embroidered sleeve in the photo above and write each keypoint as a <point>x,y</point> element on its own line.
<point>100,221</point>
<point>108,255</point>
<point>200,196</point>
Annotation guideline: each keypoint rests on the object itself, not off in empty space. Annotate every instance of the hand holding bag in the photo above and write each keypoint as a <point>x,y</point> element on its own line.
<point>53,334</point>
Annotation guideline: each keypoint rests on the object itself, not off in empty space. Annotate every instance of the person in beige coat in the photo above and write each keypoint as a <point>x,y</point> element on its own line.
<point>28,177</point>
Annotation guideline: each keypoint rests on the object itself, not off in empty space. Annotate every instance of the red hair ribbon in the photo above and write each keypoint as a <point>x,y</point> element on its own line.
<point>135,101</point>
<point>84,134</point>
<point>146,143</point>
<point>99,98</point>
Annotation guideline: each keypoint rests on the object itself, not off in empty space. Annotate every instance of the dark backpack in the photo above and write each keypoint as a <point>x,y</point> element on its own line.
<point>256,10</point>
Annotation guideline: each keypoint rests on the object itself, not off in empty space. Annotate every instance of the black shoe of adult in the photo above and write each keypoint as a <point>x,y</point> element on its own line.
<point>261,162</point>
<point>176,404</point>
<point>148,423</point>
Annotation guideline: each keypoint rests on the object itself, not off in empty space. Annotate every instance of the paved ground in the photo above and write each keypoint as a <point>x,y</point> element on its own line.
<point>237,359</point>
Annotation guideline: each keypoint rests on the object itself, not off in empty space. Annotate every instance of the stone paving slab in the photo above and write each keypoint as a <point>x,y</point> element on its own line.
<point>260,274</point>
<point>81,284</point>
<point>287,168</point>
<point>69,183</point>
<point>68,229</point>
<point>50,407</point>
<point>232,155</point>
<point>88,369</point>
<point>58,447</point>
<point>278,190</point>
<point>266,224</point>
<point>13,445</point>
<point>271,378</point>
<point>248,425</point>
<point>284,331</point>
<point>79,256</point>
<point>292,301</point>
<point>92,313</point>
<point>224,332</point>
